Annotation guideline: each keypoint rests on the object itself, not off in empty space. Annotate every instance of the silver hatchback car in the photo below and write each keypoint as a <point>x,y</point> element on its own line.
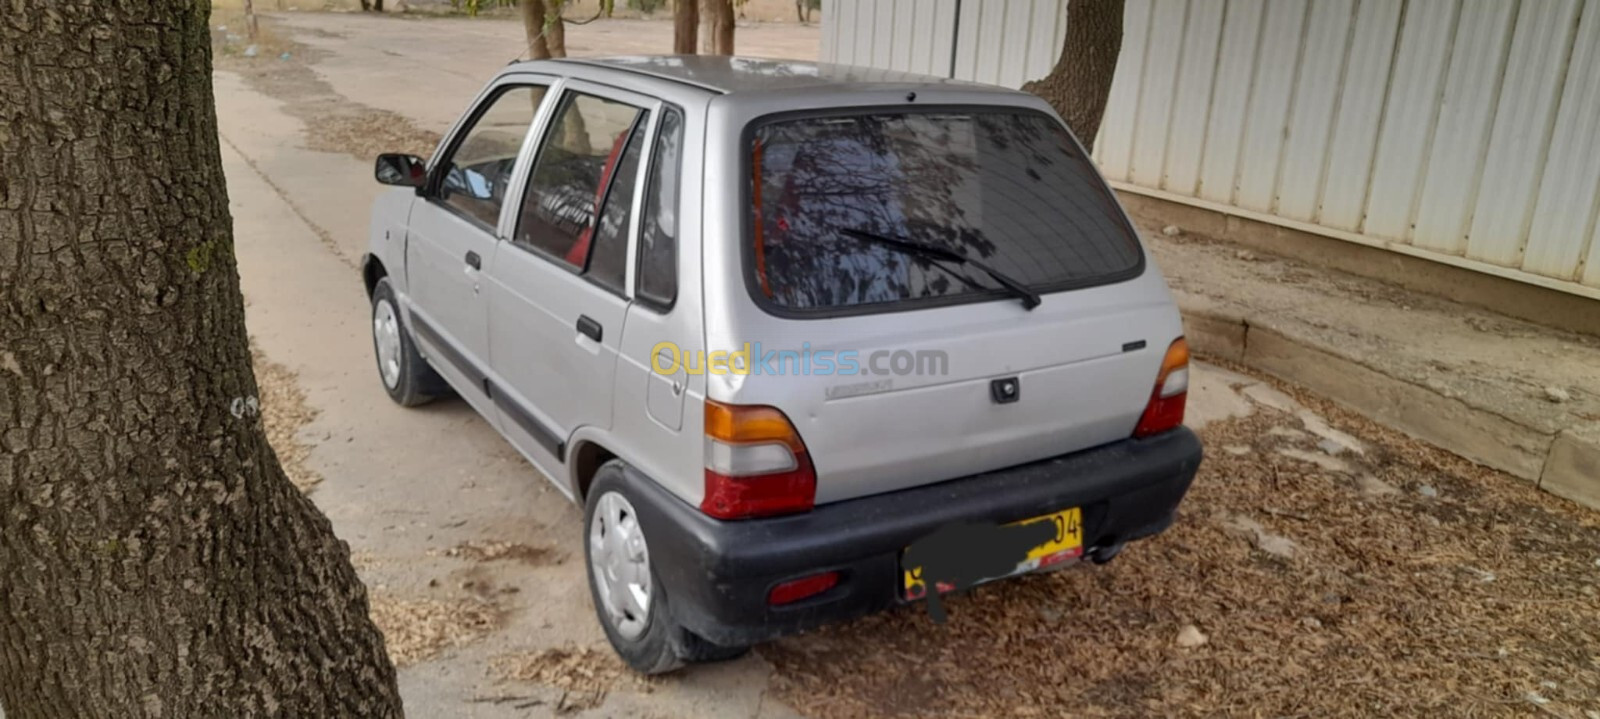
<point>806,341</point>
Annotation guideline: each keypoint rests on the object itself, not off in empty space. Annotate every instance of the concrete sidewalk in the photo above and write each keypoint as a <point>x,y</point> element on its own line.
<point>1509,394</point>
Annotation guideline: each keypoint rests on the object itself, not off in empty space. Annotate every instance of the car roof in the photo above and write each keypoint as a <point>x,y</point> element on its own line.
<point>731,75</point>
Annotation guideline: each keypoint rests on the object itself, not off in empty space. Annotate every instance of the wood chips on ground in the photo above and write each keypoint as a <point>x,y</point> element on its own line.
<point>491,550</point>
<point>1479,600</point>
<point>366,133</point>
<point>283,412</point>
<point>416,629</point>
<point>584,675</point>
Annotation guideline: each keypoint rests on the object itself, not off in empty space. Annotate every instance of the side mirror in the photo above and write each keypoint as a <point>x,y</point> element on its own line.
<point>393,168</point>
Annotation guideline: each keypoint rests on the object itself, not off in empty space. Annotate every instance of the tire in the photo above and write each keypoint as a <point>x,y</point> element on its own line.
<point>699,651</point>
<point>651,642</point>
<point>405,375</point>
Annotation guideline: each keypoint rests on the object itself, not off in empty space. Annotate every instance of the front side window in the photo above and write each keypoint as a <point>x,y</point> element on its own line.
<point>478,170</point>
<point>658,233</point>
<point>586,154</point>
<point>1006,188</point>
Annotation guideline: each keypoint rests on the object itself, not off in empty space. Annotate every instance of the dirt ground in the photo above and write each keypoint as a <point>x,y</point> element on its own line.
<point>1322,566</point>
<point>1398,580</point>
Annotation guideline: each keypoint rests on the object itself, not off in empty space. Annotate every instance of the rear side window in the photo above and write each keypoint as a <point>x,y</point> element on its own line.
<point>582,159</point>
<point>479,167</point>
<point>609,261</point>
<point>658,236</point>
<point>1007,188</point>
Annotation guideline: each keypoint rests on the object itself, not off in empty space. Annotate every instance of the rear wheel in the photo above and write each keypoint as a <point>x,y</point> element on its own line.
<point>406,376</point>
<point>632,605</point>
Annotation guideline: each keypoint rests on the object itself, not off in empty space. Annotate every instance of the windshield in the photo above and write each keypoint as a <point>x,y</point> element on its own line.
<point>1006,188</point>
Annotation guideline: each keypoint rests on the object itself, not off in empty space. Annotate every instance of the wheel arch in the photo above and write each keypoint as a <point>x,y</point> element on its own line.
<point>372,270</point>
<point>584,459</point>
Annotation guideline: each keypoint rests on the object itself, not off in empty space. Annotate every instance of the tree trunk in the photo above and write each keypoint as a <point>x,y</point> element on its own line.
<point>250,25</point>
<point>555,29</point>
<point>533,28</point>
<point>1080,82</point>
<point>685,26</point>
<point>154,559</point>
<point>546,32</point>
<point>718,18</point>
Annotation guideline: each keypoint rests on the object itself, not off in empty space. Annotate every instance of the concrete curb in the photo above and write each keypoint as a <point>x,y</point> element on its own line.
<point>1564,463</point>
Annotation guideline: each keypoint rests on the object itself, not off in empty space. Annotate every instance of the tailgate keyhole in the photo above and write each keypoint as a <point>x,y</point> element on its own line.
<point>1006,390</point>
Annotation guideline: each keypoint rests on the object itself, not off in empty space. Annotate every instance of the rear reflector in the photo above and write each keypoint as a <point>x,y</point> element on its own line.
<point>795,590</point>
<point>756,465</point>
<point>1165,410</point>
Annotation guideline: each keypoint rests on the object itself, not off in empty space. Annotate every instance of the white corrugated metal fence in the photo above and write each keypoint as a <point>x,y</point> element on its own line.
<point>1465,131</point>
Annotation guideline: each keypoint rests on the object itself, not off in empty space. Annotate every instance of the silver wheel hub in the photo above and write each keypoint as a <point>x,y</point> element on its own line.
<point>386,338</point>
<point>620,564</point>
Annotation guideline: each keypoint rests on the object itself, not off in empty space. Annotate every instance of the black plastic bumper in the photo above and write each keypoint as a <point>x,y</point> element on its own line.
<point>717,574</point>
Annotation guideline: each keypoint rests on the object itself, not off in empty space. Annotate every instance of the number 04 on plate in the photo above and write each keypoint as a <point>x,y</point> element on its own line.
<point>1066,545</point>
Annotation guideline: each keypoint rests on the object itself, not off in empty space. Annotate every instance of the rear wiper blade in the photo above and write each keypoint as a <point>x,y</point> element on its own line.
<point>1030,299</point>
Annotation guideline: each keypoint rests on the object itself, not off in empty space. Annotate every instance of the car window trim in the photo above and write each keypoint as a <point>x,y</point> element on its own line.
<point>752,283</point>
<point>635,260</point>
<point>640,124</point>
<point>535,146</point>
<point>492,93</point>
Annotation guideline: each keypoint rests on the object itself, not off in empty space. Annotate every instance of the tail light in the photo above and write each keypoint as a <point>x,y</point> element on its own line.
<point>1165,410</point>
<point>803,588</point>
<point>756,465</point>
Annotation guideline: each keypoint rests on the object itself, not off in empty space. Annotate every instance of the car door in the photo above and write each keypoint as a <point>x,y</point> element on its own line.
<point>657,400</point>
<point>558,293</point>
<point>454,228</point>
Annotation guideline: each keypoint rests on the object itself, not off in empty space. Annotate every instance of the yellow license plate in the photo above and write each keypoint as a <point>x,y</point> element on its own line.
<point>1065,546</point>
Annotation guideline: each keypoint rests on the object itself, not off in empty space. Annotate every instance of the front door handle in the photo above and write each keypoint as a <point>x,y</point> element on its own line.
<point>474,261</point>
<point>588,327</point>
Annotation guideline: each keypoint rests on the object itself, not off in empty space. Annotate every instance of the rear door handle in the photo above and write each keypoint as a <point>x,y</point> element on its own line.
<point>588,327</point>
<point>474,261</point>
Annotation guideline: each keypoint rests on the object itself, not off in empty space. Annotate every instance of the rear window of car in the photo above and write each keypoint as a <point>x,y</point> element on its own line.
<point>1007,188</point>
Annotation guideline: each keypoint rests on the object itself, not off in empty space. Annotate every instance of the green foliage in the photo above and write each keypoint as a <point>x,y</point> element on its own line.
<point>644,6</point>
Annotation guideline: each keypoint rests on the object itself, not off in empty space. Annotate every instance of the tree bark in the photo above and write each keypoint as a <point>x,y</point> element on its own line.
<point>555,30</point>
<point>719,26</point>
<point>546,32</point>
<point>1080,82</point>
<point>533,28</point>
<point>685,26</point>
<point>154,559</point>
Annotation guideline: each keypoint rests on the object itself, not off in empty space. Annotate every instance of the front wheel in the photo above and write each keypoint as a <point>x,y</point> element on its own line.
<point>406,376</point>
<point>629,600</point>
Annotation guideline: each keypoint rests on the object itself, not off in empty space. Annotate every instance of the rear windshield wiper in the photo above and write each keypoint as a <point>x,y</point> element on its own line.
<point>1030,299</point>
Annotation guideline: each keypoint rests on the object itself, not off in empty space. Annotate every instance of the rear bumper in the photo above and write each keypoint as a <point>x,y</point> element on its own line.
<point>717,574</point>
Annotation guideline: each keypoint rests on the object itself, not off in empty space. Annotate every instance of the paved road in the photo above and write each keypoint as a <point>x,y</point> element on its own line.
<point>428,69</point>
<point>404,486</point>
